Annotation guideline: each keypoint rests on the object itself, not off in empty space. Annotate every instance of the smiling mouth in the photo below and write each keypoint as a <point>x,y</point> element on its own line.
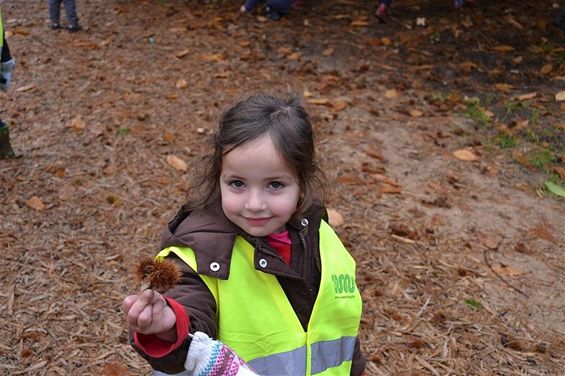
<point>257,221</point>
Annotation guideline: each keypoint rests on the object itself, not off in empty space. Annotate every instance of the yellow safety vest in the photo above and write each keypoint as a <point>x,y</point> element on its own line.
<point>257,321</point>
<point>1,32</point>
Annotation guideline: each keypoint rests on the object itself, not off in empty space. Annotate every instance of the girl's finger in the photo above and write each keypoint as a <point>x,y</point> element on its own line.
<point>145,319</point>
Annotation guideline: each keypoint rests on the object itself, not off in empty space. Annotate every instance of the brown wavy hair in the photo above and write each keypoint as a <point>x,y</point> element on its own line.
<point>287,123</point>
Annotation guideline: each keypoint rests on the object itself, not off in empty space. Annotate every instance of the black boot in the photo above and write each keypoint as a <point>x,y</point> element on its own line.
<point>5,147</point>
<point>560,20</point>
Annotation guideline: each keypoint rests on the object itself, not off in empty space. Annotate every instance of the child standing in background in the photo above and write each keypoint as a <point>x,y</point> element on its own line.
<point>55,14</point>
<point>6,68</point>
<point>275,8</point>
<point>262,271</point>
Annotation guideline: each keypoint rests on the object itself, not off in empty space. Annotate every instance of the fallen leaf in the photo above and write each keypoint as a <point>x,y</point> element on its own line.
<point>328,52</point>
<point>542,232</point>
<point>168,136</point>
<point>392,93</point>
<point>386,41</point>
<point>555,189</point>
<point>507,271</point>
<point>213,58</point>
<point>488,241</point>
<point>67,192</point>
<point>177,163</point>
<point>25,88</point>
<point>350,180</point>
<point>390,189</point>
<point>505,88</point>
<point>181,84</point>
<point>560,171</point>
<point>560,96</point>
<point>526,96</point>
<point>465,155</point>
<point>35,203</point>
<point>294,56</point>
<point>77,123</point>
<point>374,154</point>
<point>182,53</point>
<point>359,23</point>
<point>335,218</point>
<point>416,113</point>
<point>547,68</point>
<point>318,101</point>
<point>503,48</point>
<point>339,105</point>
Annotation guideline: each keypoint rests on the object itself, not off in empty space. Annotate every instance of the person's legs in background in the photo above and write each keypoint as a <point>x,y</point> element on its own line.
<point>6,150</point>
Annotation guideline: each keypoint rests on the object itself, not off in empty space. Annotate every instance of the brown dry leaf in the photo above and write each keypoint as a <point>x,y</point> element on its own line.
<point>360,22</point>
<point>319,101</point>
<point>514,23</point>
<point>335,218</point>
<point>547,68</point>
<point>507,271</point>
<point>526,96</point>
<point>213,58</point>
<point>467,66</point>
<point>25,88</point>
<point>416,113</point>
<point>503,48</point>
<point>465,155</point>
<point>386,41</point>
<point>86,44</point>
<point>374,154</point>
<point>35,203</point>
<point>176,162</point>
<point>560,96</point>
<point>19,30</point>
<point>168,136</point>
<point>391,94</point>
<point>390,189</point>
<point>505,88</point>
<point>294,56</point>
<point>67,192</point>
<point>77,123</point>
<point>339,105</point>
<point>350,180</point>
<point>181,84</point>
<point>560,171</point>
<point>488,241</point>
<point>328,52</point>
<point>542,232</point>
<point>182,53</point>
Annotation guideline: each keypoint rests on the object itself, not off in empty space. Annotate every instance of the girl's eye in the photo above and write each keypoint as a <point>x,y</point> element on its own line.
<point>276,185</point>
<point>236,184</point>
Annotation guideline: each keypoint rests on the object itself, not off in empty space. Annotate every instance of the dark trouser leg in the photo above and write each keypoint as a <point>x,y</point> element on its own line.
<point>54,11</point>
<point>71,10</point>
<point>5,147</point>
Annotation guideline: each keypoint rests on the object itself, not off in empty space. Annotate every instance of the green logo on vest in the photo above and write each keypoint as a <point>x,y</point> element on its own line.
<point>344,285</point>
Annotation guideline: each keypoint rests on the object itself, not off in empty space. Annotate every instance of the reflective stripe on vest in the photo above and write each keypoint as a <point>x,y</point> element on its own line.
<point>257,321</point>
<point>325,354</point>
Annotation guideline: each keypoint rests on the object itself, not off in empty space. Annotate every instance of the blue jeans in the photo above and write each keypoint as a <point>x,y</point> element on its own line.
<point>70,9</point>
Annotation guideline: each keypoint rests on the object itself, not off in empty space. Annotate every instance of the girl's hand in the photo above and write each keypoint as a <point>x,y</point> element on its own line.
<point>149,313</point>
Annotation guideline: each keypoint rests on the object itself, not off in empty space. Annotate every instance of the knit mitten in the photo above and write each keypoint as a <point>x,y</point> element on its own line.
<point>207,357</point>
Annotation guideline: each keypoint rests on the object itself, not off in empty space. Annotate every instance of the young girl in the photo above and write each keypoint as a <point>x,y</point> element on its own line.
<point>262,271</point>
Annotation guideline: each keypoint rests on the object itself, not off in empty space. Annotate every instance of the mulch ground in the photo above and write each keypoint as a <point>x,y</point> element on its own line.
<point>460,254</point>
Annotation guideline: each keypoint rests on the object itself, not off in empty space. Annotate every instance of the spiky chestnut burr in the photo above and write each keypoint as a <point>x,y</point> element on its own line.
<point>157,275</point>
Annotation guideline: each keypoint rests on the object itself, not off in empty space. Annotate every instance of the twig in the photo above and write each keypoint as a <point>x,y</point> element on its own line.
<point>499,276</point>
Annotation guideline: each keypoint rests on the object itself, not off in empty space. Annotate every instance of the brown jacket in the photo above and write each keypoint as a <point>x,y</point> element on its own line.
<point>211,235</point>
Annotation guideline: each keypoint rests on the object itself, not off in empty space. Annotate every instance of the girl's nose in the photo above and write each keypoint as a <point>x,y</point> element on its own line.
<point>255,201</point>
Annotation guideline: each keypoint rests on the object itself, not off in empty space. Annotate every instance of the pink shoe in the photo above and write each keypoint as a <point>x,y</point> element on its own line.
<point>382,13</point>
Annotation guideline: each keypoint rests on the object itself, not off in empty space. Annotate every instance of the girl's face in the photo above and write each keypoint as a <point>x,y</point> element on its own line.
<point>259,192</point>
